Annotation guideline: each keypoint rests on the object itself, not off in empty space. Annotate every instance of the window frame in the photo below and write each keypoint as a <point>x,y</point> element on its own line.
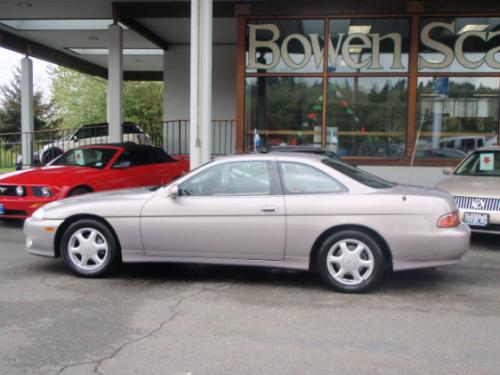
<point>415,17</point>
<point>274,181</point>
<point>343,189</point>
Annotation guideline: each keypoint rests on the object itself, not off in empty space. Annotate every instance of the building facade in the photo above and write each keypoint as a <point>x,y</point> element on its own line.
<point>377,82</point>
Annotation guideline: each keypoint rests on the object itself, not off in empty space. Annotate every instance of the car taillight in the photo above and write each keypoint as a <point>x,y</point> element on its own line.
<point>450,220</point>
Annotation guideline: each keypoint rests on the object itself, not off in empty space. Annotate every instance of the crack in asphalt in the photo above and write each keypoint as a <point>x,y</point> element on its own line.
<point>174,314</point>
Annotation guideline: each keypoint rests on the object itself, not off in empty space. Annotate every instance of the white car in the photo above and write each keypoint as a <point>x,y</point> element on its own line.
<point>89,135</point>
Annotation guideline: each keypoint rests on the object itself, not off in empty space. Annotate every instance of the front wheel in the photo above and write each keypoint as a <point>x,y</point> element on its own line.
<point>89,249</point>
<point>350,261</point>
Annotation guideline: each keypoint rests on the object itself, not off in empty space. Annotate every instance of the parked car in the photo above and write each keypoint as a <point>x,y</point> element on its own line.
<point>439,153</point>
<point>467,143</point>
<point>381,149</point>
<point>475,184</point>
<point>304,149</point>
<point>91,134</point>
<point>83,170</point>
<point>290,210</point>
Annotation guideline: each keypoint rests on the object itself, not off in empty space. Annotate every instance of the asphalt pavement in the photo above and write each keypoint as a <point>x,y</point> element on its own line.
<point>191,319</point>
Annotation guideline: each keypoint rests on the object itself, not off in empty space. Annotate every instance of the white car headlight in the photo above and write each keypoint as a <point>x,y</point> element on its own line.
<point>19,191</point>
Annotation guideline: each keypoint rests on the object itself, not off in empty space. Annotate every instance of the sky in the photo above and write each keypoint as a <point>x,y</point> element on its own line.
<point>9,60</point>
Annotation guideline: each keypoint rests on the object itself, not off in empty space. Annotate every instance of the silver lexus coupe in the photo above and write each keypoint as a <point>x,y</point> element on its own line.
<point>290,210</point>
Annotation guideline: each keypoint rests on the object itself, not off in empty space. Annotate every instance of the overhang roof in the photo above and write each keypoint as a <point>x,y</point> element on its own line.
<point>83,45</point>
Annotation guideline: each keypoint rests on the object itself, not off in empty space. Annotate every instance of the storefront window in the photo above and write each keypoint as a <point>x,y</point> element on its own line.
<point>285,46</point>
<point>457,115</point>
<point>459,44</point>
<point>284,110</point>
<point>356,102</point>
<point>369,45</point>
<point>366,116</point>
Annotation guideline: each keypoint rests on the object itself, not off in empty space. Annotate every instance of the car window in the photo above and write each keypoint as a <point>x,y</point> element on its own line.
<point>92,132</point>
<point>86,157</point>
<point>359,175</point>
<point>230,179</point>
<point>131,129</point>
<point>299,178</point>
<point>480,163</point>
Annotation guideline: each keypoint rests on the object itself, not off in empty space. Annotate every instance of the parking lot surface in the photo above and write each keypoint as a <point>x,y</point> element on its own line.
<point>191,319</point>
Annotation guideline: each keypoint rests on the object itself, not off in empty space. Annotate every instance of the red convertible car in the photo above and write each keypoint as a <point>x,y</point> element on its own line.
<point>84,170</point>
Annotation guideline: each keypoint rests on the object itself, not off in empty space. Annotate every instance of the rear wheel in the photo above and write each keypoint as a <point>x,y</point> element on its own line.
<point>350,261</point>
<point>89,249</point>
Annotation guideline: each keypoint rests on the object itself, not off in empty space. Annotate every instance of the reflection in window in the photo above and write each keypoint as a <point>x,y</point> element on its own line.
<point>367,116</point>
<point>449,44</point>
<point>304,179</point>
<point>285,46</point>
<point>369,45</point>
<point>285,110</point>
<point>457,115</point>
<point>241,178</point>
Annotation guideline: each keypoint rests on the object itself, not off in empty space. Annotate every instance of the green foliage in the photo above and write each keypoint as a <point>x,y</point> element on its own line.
<point>78,98</point>
<point>81,99</point>
<point>10,107</point>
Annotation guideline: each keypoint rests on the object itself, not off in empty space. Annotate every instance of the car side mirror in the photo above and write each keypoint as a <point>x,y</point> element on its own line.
<point>122,164</point>
<point>173,191</point>
<point>448,170</point>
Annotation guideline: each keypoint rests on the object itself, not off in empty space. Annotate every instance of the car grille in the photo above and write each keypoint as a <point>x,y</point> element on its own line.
<point>8,191</point>
<point>478,203</point>
<point>14,213</point>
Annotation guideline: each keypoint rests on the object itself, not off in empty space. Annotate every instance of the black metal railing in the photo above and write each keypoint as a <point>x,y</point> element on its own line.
<point>176,136</point>
<point>47,144</point>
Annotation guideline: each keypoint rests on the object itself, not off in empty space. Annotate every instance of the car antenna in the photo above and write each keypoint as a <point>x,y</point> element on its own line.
<point>412,160</point>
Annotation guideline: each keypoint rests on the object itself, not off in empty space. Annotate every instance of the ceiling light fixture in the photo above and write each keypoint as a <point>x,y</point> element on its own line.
<point>359,29</point>
<point>24,4</point>
<point>471,27</point>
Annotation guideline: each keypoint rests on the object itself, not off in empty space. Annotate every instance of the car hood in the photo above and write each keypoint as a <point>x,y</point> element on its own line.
<point>113,203</point>
<point>474,186</point>
<point>51,175</point>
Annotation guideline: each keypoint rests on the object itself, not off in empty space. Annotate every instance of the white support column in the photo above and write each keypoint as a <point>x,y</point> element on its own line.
<point>201,82</point>
<point>115,83</point>
<point>27,119</point>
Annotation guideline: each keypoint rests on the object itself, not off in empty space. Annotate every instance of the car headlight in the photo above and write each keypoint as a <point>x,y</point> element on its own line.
<point>19,191</point>
<point>41,191</point>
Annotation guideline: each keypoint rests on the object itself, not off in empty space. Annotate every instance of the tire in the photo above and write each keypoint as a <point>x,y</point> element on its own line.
<point>50,155</point>
<point>350,261</point>
<point>79,191</point>
<point>89,249</point>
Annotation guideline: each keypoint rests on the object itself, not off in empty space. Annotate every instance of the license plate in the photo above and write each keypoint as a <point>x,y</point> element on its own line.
<point>475,219</point>
<point>2,209</point>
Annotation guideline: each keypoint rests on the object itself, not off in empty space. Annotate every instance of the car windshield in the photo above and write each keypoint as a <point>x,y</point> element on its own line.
<point>480,163</point>
<point>86,157</point>
<point>358,174</point>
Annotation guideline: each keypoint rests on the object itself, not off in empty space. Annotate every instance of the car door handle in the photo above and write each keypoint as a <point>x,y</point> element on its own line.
<point>269,209</point>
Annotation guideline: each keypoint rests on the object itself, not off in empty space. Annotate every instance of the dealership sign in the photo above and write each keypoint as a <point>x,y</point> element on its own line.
<point>349,45</point>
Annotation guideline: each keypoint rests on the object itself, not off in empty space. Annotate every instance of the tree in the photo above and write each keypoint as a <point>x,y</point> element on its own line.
<point>78,98</point>
<point>81,99</point>
<point>10,107</point>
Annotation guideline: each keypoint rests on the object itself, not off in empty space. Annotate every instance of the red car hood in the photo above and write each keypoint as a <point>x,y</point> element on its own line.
<point>53,175</point>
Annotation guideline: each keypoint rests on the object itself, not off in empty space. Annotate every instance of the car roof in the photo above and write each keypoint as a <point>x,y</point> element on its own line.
<point>102,124</point>
<point>296,156</point>
<point>124,145</point>
<point>489,148</point>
